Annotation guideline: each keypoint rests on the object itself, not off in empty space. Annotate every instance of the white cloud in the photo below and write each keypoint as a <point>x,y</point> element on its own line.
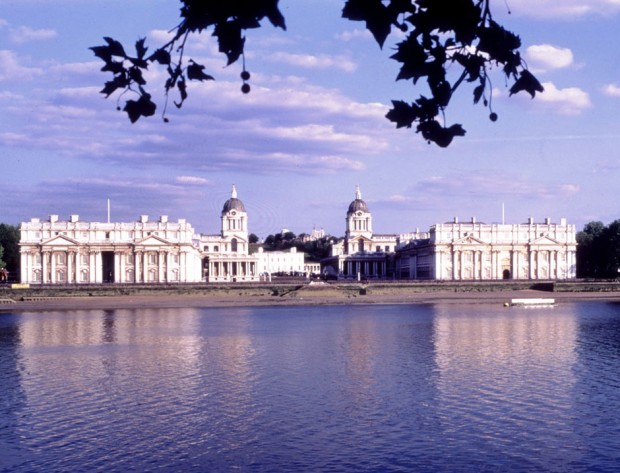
<point>12,70</point>
<point>193,180</point>
<point>545,57</point>
<point>568,101</point>
<point>24,34</point>
<point>563,8</point>
<point>355,34</point>
<point>310,61</point>
<point>611,90</point>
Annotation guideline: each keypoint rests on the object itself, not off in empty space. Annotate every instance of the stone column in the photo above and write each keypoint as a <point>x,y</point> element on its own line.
<point>52,268</point>
<point>26,267</point>
<point>70,267</point>
<point>160,266</point>
<point>455,260</point>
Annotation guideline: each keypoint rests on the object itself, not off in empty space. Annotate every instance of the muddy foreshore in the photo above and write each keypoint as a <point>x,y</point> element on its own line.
<point>22,298</point>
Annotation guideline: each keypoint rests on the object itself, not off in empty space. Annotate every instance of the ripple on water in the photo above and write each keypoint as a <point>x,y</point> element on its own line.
<point>390,388</point>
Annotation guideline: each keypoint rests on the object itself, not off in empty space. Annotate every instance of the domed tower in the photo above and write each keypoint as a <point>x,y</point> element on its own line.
<point>359,219</point>
<point>234,221</point>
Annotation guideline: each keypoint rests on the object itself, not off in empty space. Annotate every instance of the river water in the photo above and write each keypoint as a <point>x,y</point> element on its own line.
<point>424,388</point>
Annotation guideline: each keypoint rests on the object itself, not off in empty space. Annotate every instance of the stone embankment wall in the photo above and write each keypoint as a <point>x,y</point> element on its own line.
<point>300,289</point>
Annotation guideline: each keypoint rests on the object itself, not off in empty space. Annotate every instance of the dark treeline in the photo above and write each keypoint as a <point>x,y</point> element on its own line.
<point>9,250</point>
<point>315,250</point>
<point>598,250</point>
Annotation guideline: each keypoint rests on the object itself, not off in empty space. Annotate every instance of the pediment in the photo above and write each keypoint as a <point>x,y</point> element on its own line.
<point>545,240</point>
<point>152,240</point>
<point>60,240</point>
<point>469,240</point>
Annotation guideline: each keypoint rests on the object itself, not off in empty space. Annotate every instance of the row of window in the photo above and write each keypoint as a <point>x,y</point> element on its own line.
<point>60,259</point>
<point>61,276</point>
<point>107,235</point>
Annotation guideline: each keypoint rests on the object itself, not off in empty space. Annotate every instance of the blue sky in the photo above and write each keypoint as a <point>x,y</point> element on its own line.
<point>311,129</point>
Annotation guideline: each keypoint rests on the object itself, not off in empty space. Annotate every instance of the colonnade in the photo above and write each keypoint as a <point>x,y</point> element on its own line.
<point>233,270</point>
<point>484,264</point>
<point>364,267</point>
<point>69,266</point>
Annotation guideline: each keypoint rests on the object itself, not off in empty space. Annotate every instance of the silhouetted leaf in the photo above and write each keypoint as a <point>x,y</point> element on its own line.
<point>196,72</point>
<point>230,40</point>
<point>527,82</point>
<point>143,107</point>
<point>376,15</point>
<point>116,48</point>
<point>402,113</point>
<point>102,52</point>
<point>478,91</point>
<point>161,56</point>
<point>141,49</point>
<point>433,131</point>
<point>135,74</point>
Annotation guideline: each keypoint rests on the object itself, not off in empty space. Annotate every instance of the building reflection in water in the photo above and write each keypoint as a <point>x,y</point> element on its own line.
<point>139,367</point>
<point>510,364</point>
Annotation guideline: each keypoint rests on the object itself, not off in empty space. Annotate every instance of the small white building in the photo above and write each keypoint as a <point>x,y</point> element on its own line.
<point>281,262</point>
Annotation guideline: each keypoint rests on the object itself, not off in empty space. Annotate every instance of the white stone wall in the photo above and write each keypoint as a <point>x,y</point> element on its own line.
<point>478,251</point>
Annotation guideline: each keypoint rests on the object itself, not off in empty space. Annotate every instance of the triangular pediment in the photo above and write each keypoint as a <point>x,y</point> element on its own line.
<point>60,240</point>
<point>469,240</point>
<point>152,240</point>
<point>545,240</point>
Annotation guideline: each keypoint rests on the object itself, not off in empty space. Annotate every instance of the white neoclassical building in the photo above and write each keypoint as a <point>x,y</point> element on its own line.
<point>73,251</point>
<point>478,251</point>
<point>145,251</point>
<point>363,254</point>
<point>226,256</point>
<point>162,251</point>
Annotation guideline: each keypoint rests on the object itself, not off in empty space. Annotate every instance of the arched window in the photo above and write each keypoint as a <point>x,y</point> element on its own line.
<point>233,245</point>
<point>361,246</point>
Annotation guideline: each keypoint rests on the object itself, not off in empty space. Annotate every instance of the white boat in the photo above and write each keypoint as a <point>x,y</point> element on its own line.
<point>533,302</point>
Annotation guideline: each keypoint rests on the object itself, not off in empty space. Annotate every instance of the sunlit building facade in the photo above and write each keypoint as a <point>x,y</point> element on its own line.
<point>165,251</point>
<point>145,251</point>
<point>363,254</point>
<point>476,251</point>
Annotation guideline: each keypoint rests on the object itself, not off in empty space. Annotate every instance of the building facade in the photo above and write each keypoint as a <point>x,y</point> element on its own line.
<point>363,254</point>
<point>145,251</point>
<point>163,251</point>
<point>226,257</point>
<point>476,251</point>
<point>73,251</point>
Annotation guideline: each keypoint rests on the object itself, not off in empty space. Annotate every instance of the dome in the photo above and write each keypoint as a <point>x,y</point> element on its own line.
<point>358,204</point>
<point>233,203</point>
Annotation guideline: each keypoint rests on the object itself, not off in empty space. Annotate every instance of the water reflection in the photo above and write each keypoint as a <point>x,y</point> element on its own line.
<point>512,372</point>
<point>347,388</point>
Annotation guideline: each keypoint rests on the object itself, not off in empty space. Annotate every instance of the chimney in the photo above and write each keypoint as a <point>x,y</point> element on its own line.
<point>74,218</point>
<point>144,218</point>
<point>53,218</point>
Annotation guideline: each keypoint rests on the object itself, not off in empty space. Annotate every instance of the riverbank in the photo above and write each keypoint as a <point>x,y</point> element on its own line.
<point>168,296</point>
